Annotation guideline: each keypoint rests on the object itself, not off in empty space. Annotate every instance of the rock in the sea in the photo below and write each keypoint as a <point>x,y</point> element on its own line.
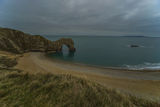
<point>134,46</point>
<point>19,42</point>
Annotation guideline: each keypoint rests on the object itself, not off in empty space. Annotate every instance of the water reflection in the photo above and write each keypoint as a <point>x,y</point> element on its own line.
<point>69,54</point>
<point>65,56</point>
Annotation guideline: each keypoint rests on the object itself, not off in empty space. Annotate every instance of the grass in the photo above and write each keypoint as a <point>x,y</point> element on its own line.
<point>48,90</point>
<point>6,62</point>
<point>18,88</point>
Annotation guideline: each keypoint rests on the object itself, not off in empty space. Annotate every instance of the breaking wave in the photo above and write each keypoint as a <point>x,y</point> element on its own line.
<point>147,66</point>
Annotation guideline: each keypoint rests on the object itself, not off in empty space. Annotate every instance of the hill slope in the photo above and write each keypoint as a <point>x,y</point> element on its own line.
<point>18,42</point>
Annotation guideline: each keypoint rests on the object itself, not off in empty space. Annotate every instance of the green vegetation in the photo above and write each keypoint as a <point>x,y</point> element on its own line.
<point>6,62</point>
<point>48,90</point>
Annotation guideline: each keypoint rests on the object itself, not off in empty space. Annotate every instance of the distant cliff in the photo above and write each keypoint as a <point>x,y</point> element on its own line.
<point>19,42</point>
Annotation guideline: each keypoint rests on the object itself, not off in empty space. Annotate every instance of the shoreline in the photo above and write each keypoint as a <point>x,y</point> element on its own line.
<point>109,71</point>
<point>110,78</point>
<point>104,67</point>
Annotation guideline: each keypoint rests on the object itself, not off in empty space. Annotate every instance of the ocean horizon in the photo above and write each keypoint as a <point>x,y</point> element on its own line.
<point>114,52</point>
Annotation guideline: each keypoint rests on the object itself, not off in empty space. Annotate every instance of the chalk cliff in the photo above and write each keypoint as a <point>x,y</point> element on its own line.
<point>18,42</point>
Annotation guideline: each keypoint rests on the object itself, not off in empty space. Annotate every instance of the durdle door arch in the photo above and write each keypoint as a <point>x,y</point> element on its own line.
<point>64,41</point>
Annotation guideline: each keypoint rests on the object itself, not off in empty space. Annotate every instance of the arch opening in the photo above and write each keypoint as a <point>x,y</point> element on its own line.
<point>65,50</point>
<point>67,42</point>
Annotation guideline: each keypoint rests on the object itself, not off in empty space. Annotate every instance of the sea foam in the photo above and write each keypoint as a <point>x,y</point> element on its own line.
<point>146,65</point>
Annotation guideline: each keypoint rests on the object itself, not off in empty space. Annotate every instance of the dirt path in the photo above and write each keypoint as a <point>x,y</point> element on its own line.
<point>144,84</point>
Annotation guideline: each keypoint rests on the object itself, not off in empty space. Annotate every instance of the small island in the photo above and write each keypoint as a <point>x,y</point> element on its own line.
<point>134,46</point>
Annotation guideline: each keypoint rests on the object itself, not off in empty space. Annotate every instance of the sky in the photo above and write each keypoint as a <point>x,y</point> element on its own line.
<point>82,17</point>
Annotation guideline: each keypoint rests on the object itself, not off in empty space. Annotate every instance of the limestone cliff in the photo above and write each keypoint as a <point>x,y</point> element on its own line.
<point>19,42</point>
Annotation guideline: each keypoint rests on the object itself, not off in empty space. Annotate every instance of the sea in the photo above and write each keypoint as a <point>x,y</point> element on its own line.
<point>112,52</point>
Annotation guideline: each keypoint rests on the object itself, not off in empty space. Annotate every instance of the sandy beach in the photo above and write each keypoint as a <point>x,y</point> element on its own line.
<point>139,83</point>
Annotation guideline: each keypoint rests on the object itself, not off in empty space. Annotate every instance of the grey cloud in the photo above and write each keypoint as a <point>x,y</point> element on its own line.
<point>99,17</point>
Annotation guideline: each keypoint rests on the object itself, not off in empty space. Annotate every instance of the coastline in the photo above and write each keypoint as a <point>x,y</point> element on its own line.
<point>102,67</point>
<point>108,71</point>
<point>147,88</point>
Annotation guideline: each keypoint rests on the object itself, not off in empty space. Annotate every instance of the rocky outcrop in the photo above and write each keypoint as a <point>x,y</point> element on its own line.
<point>134,46</point>
<point>64,41</point>
<point>19,42</point>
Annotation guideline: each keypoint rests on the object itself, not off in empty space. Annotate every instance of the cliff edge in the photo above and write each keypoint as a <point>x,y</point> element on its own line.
<point>18,42</point>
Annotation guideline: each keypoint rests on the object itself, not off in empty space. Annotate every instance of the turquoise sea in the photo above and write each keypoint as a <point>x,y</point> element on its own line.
<point>112,51</point>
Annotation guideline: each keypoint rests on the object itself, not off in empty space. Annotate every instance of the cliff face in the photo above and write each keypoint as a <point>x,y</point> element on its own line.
<point>19,42</point>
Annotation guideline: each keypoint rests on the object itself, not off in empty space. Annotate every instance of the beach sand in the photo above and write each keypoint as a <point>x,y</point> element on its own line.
<point>138,83</point>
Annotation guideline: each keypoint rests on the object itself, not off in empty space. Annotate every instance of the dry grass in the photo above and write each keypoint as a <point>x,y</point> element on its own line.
<point>45,90</point>
<point>6,62</point>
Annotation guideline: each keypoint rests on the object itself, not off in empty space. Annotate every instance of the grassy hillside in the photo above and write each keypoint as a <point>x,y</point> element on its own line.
<point>19,42</point>
<point>44,90</point>
<point>47,90</point>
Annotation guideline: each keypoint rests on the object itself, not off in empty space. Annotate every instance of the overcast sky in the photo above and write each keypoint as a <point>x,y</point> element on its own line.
<point>82,17</point>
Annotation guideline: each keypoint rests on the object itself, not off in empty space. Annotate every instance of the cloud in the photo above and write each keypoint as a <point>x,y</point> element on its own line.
<point>102,17</point>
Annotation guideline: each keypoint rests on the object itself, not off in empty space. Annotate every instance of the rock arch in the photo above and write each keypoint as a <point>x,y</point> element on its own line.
<point>19,42</point>
<point>64,41</point>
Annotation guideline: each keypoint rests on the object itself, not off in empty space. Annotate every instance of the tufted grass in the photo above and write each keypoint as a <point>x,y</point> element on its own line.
<point>48,90</point>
